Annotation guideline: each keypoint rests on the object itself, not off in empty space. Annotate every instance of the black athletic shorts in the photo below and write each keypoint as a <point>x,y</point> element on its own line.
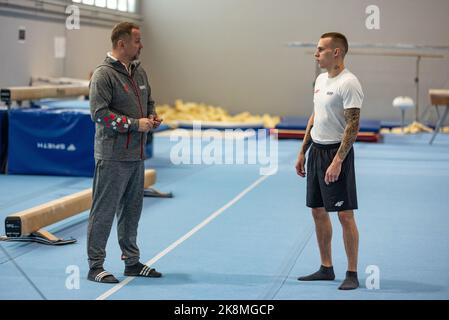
<point>337,196</point>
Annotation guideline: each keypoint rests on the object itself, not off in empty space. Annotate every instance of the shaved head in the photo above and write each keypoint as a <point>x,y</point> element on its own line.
<point>338,41</point>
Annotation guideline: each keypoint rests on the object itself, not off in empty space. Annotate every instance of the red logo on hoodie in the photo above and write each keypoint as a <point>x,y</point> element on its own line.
<point>125,86</point>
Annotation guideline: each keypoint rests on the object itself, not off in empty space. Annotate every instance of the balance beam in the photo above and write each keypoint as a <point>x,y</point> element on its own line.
<point>28,224</point>
<point>10,94</point>
<point>42,80</point>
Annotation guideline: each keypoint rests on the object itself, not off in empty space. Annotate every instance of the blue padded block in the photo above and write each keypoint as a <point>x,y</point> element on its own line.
<point>149,150</point>
<point>162,127</point>
<point>390,124</point>
<point>293,123</point>
<point>62,104</point>
<point>51,141</point>
<point>369,126</point>
<point>300,123</point>
<point>3,137</point>
<point>220,125</point>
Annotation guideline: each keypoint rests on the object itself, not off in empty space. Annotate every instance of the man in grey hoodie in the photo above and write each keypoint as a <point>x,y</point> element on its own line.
<point>123,110</point>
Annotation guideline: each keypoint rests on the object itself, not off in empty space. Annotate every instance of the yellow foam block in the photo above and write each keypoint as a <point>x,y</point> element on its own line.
<point>415,127</point>
<point>201,112</point>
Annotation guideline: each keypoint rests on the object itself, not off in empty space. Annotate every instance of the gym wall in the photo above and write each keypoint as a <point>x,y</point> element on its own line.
<point>232,53</point>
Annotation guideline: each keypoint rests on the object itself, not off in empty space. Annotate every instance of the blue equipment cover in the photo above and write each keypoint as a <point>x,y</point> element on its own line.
<point>51,142</point>
<point>3,138</point>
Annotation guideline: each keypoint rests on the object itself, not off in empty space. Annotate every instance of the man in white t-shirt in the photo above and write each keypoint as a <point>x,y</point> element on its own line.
<point>331,131</point>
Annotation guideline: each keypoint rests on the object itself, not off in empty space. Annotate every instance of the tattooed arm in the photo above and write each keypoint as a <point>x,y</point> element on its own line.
<point>352,117</point>
<point>307,141</point>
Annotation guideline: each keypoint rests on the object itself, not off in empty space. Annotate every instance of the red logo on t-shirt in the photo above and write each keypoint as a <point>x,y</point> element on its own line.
<point>317,90</point>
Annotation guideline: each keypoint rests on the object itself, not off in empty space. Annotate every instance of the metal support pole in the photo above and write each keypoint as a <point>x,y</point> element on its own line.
<point>403,119</point>
<point>418,59</point>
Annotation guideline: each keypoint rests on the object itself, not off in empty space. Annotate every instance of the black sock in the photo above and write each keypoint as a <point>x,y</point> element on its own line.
<point>351,282</point>
<point>96,270</point>
<point>325,273</point>
<point>135,267</point>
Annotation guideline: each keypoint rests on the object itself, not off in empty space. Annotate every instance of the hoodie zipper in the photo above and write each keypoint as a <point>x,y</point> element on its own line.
<point>128,138</point>
<point>136,92</point>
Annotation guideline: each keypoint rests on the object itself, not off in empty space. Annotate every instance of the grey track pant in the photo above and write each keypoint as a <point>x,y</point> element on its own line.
<point>117,190</point>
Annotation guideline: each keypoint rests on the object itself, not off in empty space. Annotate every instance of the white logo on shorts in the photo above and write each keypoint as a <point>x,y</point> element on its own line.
<point>339,203</point>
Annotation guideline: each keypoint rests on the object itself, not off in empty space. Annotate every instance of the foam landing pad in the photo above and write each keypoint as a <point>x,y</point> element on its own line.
<point>299,134</point>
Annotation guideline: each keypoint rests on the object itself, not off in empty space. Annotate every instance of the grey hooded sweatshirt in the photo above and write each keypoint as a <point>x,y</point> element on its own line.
<point>118,100</point>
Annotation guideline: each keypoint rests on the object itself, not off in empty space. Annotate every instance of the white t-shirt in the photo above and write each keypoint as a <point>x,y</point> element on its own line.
<point>331,97</point>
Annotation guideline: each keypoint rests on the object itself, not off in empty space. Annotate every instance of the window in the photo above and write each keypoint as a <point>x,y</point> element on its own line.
<point>100,3</point>
<point>112,4</point>
<point>132,6</point>
<point>120,5</point>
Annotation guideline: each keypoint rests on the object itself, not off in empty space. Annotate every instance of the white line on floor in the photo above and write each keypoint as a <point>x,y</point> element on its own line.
<point>117,287</point>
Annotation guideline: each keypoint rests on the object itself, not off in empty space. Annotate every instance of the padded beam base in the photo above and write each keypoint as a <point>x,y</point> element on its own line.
<point>39,239</point>
<point>151,192</point>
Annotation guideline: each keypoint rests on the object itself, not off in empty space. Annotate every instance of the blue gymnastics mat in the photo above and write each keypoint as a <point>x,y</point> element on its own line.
<point>300,123</point>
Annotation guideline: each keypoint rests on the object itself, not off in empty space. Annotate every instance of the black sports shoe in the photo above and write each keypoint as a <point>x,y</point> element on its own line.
<point>141,270</point>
